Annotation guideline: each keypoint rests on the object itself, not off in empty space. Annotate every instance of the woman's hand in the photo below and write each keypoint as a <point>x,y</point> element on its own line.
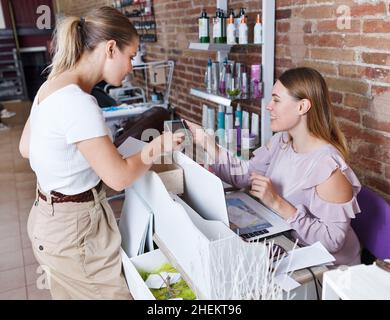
<point>263,189</point>
<point>198,133</point>
<point>169,142</point>
<point>204,140</point>
<point>165,143</point>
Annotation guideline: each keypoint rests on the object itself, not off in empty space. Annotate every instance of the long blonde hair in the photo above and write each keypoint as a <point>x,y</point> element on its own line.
<point>74,35</point>
<point>307,83</point>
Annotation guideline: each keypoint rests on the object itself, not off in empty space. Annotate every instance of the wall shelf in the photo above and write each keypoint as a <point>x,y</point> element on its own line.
<point>203,94</point>
<point>218,47</point>
<point>268,62</point>
<point>224,100</point>
<point>143,21</point>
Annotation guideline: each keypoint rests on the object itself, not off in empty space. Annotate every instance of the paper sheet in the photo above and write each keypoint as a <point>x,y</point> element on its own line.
<point>286,282</point>
<point>309,256</point>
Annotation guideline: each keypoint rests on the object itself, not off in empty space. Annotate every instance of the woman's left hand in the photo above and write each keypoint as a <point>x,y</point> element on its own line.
<point>263,189</point>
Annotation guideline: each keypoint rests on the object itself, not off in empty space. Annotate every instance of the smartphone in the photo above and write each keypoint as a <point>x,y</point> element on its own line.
<point>174,125</point>
<point>179,125</point>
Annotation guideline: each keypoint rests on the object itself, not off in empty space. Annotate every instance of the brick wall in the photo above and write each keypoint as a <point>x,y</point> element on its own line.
<point>348,41</point>
<point>79,7</point>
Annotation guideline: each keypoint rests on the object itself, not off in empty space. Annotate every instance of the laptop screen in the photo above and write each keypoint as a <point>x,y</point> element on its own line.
<point>243,219</point>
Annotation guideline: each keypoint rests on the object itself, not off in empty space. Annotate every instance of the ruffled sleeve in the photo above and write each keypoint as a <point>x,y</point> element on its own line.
<point>326,166</point>
<point>324,221</point>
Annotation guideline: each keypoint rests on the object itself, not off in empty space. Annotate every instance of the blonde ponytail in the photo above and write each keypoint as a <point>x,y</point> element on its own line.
<point>68,45</point>
<point>73,36</point>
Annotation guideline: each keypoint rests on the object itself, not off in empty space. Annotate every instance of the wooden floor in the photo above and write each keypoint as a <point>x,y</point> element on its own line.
<point>18,267</point>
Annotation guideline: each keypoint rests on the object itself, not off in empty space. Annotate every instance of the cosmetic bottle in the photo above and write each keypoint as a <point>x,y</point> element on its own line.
<point>204,31</point>
<point>258,31</point>
<point>243,32</point>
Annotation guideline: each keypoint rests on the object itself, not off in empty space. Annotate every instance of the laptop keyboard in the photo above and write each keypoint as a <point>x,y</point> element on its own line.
<point>254,234</point>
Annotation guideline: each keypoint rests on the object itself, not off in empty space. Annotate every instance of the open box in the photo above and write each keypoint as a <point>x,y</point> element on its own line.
<point>148,262</point>
<point>171,176</point>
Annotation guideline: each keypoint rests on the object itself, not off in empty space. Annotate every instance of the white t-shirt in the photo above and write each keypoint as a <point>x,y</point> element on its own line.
<point>65,117</point>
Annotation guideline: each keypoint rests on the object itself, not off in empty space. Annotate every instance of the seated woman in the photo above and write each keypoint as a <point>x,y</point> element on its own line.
<point>302,173</point>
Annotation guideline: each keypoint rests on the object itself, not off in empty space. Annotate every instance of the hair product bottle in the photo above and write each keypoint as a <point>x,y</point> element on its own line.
<point>231,31</point>
<point>237,127</point>
<point>243,32</point>
<point>237,22</point>
<point>239,113</point>
<point>258,31</point>
<point>204,31</point>
<point>209,75</point>
<point>221,125</point>
<point>217,27</point>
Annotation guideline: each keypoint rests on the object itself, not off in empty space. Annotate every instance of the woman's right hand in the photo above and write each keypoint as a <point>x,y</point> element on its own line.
<point>204,139</point>
<point>200,136</point>
<point>166,143</point>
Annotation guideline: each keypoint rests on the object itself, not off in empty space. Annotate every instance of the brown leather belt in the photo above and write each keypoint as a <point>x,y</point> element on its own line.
<point>85,196</point>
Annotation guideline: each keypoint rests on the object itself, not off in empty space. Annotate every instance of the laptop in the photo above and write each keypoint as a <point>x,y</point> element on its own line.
<point>204,192</point>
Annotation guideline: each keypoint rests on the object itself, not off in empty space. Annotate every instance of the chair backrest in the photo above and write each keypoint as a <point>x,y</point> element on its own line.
<point>372,225</point>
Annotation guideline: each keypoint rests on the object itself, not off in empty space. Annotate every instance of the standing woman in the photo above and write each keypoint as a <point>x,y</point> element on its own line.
<point>72,228</point>
<point>302,173</point>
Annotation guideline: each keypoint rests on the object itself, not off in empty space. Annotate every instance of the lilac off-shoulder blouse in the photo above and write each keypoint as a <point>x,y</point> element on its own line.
<point>295,177</point>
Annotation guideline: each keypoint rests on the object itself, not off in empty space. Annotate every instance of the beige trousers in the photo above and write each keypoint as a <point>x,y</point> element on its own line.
<point>77,245</point>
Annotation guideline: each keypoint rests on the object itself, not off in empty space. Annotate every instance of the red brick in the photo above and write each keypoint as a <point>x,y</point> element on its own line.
<point>347,113</point>
<point>369,165</point>
<point>378,74</point>
<point>348,85</point>
<point>376,58</point>
<point>368,9</point>
<point>365,41</point>
<point>332,54</point>
<point>378,90</point>
<point>382,125</point>
<point>387,171</point>
<point>352,71</point>
<point>357,101</point>
<point>283,14</point>
<point>336,97</point>
<point>282,26</point>
<point>378,183</point>
<point>317,12</point>
<point>323,68</point>
<point>332,26</point>
<point>365,135</point>
<point>307,28</point>
<point>376,26</point>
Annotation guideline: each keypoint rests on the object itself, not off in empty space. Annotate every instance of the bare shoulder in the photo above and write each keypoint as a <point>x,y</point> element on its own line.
<point>337,189</point>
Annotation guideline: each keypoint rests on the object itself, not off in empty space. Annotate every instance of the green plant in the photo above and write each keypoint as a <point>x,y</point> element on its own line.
<point>234,92</point>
